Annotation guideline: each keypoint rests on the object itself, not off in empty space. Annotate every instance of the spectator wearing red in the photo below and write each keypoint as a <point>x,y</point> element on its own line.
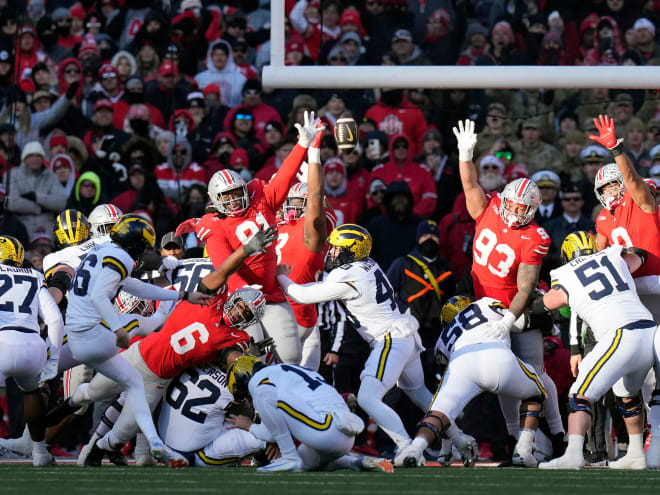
<point>65,171</point>
<point>261,112</point>
<point>240,50</point>
<point>103,117</point>
<point>343,201</point>
<point>136,179</point>
<point>476,41</point>
<point>134,95</point>
<point>306,19</point>
<point>29,53</point>
<point>351,22</point>
<point>356,175</point>
<point>282,150</point>
<point>108,85</point>
<point>69,71</point>
<point>179,172</point>
<point>63,20</point>
<point>168,91</point>
<point>608,47</point>
<point>394,114</point>
<point>457,229</point>
<point>401,167</point>
<point>58,145</point>
<point>242,128</point>
<point>240,163</point>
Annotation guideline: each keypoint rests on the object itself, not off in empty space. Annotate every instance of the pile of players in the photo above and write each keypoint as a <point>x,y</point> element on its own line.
<point>208,352</point>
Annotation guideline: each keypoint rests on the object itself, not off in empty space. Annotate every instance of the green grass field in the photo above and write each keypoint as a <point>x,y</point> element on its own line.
<point>23,479</point>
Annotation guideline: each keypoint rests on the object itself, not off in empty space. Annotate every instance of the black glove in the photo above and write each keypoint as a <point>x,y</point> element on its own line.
<point>72,89</point>
<point>30,195</point>
<point>259,241</point>
<point>260,348</point>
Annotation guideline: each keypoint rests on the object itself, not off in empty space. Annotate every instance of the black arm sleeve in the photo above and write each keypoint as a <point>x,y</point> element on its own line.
<point>60,280</point>
<point>636,251</point>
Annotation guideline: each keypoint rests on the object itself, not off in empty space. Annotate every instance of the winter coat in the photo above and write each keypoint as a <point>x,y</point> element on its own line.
<point>406,118</point>
<point>85,205</point>
<point>50,198</point>
<point>229,79</point>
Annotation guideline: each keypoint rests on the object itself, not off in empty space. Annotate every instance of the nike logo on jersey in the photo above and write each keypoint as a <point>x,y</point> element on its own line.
<point>525,237</point>
<point>601,218</point>
<point>234,335</point>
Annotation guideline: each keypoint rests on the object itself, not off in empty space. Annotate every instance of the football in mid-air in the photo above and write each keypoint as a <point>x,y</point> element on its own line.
<point>346,132</point>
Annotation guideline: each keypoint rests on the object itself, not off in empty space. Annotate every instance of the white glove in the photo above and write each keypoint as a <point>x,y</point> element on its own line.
<point>121,171</point>
<point>302,172</point>
<point>502,328</point>
<point>467,140</point>
<point>307,132</point>
<point>50,369</point>
<point>253,286</point>
<point>169,263</point>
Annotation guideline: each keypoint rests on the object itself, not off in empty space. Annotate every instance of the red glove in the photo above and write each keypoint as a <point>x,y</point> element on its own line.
<point>607,137</point>
<point>186,227</point>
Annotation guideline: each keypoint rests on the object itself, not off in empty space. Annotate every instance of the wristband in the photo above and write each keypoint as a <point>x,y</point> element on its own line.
<point>576,350</point>
<point>465,155</point>
<point>314,155</point>
<point>183,295</point>
<point>617,150</point>
<point>204,289</point>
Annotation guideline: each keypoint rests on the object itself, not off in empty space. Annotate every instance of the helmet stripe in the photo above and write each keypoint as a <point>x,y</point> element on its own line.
<point>521,188</point>
<point>228,178</point>
<point>69,226</point>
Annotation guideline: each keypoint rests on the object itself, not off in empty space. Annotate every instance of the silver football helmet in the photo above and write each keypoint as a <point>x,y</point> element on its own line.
<point>250,312</point>
<point>102,218</point>
<point>294,211</point>
<point>221,184</point>
<point>609,174</point>
<point>126,303</point>
<point>519,192</point>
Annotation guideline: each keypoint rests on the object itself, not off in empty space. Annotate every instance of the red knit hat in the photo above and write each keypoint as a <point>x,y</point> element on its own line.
<point>58,140</point>
<point>239,159</point>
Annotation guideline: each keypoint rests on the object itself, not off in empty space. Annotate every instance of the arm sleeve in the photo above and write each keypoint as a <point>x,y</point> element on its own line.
<point>426,204</point>
<point>277,189</point>
<point>148,291</point>
<point>101,296</point>
<point>148,324</point>
<point>316,292</point>
<point>52,317</point>
<point>297,16</point>
<point>43,119</point>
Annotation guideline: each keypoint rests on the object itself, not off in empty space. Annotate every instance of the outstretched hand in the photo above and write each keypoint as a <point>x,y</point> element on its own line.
<point>607,137</point>
<point>311,128</point>
<point>259,241</point>
<point>186,227</point>
<point>466,138</point>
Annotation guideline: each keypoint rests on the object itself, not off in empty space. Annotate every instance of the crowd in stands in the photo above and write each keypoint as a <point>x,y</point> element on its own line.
<point>138,103</point>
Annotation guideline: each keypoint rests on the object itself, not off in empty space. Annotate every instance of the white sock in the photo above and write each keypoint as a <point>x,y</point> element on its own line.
<point>575,444</point>
<point>526,437</point>
<point>636,444</point>
<point>420,444</point>
<point>39,447</point>
<point>453,431</point>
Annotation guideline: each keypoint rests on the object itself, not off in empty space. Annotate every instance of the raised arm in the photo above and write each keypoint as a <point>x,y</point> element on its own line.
<point>640,192</point>
<point>475,198</point>
<point>316,230</point>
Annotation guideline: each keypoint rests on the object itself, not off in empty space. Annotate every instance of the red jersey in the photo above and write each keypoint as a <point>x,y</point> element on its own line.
<point>498,251</point>
<point>348,207</point>
<point>224,234</point>
<point>307,265</point>
<point>628,225</point>
<point>192,335</point>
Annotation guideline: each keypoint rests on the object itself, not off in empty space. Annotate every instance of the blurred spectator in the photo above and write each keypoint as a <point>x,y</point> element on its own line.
<point>533,152</point>
<point>171,245</point>
<point>179,172</point>
<point>168,91</point>
<point>476,41</point>
<point>407,51</point>
<point>306,18</point>
<point>86,193</point>
<point>41,242</point>
<point>136,179</point>
<point>35,194</point>
<point>571,219</point>
<point>622,109</point>
<point>356,175</point>
<point>570,160</point>
<point>498,127</point>
<point>394,114</point>
<point>10,224</point>
<point>548,183</point>
<point>652,133</point>
<point>593,158</point>
<point>346,203</point>
<point>240,51</point>
<point>125,64</point>
<point>221,70</point>
<point>65,171</point>
<point>635,132</point>
<point>261,112</point>
<point>394,232</point>
<point>401,167</point>
<point>645,38</point>
<point>502,49</point>
<point>608,47</point>
<point>423,280</point>
<point>439,39</point>
<point>134,95</point>
<point>592,102</point>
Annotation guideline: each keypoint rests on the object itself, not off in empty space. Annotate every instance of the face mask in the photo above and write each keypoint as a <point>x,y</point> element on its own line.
<point>48,38</point>
<point>224,157</point>
<point>63,31</point>
<point>133,98</point>
<point>107,53</point>
<point>196,208</point>
<point>140,126</point>
<point>393,97</point>
<point>429,248</point>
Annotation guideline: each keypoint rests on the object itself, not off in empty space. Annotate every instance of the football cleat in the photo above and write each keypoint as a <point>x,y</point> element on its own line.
<point>43,460</point>
<point>468,448</point>
<point>445,456</point>
<point>409,456</point>
<point>567,461</point>
<point>376,464</point>
<point>95,456</point>
<point>632,460</point>
<point>117,458</point>
<point>524,456</point>
<point>281,465</point>
<point>167,456</point>
<point>9,454</point>
<point>21,445</point>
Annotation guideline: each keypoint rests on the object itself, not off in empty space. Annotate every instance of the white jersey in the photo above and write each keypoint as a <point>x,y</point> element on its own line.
<point>373,309</point>
<point>189,273</point>
<point>81,313</point>
<point>471,326</point>
<point>293,380</point>
<point>601,290</point>
<point>193,411</point>
<point>19,298</point>
<point>71,256</point>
